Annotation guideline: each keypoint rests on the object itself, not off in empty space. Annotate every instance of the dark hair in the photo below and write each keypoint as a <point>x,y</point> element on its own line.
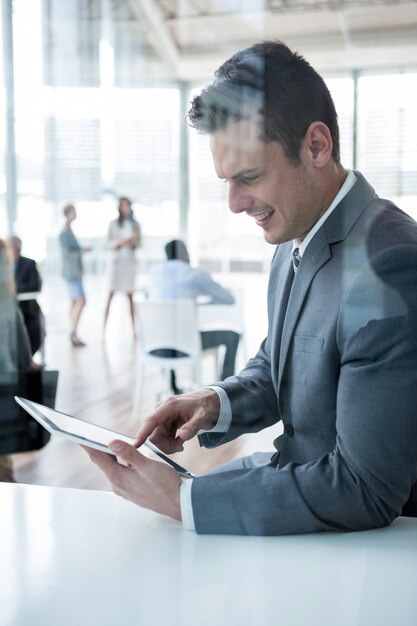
<point>16,241</point>
<point>119,208</point>
<point>68,208</point>
<point>176,249</point>
<point>270,81</point>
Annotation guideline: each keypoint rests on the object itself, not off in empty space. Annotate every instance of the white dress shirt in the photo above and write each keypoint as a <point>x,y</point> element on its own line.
<point>177,279</point>
<point>225,416</point>
<point>344,189</point>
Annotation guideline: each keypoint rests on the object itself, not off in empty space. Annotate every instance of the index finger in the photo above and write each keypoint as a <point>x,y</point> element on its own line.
<point>165,415</point>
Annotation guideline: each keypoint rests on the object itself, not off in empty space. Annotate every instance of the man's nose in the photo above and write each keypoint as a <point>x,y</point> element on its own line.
<point>239,199</point>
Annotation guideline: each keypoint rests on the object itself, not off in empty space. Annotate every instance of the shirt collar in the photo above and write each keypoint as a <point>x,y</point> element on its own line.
<point>343,191</point>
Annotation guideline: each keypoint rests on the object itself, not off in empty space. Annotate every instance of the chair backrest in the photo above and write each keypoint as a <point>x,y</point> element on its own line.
<point>221,317</point>
<point>169,324</point>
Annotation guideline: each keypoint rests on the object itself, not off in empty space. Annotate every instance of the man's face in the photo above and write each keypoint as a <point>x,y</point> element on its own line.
<point>283,198</point>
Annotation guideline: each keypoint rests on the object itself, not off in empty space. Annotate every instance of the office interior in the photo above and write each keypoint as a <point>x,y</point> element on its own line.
<point>93,107</point>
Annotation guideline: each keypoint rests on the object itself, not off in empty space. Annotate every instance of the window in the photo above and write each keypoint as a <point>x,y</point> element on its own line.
<point>387,131</point>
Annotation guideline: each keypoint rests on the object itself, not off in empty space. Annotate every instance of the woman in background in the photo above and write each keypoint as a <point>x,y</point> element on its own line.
<point>72,271</point>
<point>123,239</point>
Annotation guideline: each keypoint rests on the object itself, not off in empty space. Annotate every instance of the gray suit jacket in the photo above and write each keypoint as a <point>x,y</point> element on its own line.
<point>339,368</point>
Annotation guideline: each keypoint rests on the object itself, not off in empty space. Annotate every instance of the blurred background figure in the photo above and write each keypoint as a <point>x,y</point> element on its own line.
<point>176,278</point>
<point>123,239</point>
<point>28,280</point>
<point>72,271</point>
<point>15,351</point>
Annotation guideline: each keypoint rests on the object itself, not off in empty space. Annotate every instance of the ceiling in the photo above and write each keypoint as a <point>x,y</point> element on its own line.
<point>195,36</point>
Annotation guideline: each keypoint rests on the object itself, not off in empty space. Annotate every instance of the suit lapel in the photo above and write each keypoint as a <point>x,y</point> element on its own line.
<point>335,228</point>
<point>282,288</point>
<point>308,268</point>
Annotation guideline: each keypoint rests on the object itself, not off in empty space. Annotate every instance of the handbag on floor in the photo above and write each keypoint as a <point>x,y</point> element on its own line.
<point>18,431</point>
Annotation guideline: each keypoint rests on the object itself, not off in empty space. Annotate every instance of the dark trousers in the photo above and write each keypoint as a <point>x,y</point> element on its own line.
<point>227,338</point>
<point>210,339</point>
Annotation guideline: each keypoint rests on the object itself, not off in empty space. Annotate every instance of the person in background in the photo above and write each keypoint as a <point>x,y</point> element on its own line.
<point>27,279</point>
<point>176,278</point>
<point>15,351</point>
<point>72,271</point>
<point>123,239</point>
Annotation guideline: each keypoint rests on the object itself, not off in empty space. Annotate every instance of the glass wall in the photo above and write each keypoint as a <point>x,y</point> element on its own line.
<point>3,131</point>
<point>98,115</point>
<point>387,132</point>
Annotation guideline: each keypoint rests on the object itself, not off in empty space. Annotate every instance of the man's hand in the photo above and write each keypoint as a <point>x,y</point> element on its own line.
<point>179,418</point>
<point>148,483</point>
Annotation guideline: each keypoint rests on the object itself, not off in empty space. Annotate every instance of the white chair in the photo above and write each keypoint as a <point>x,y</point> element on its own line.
<point>167,324</point>
<point>222,317</point>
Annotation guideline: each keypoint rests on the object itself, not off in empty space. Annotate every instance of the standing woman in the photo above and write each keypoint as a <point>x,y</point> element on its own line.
<point>72,271</point>
<point>123,239</point>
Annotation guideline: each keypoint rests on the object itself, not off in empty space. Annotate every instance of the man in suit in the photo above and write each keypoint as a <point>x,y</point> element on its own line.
<point>339,364</point>
<point>27,279</point>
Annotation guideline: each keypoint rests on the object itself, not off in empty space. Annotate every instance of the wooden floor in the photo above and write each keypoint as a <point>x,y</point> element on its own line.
<point>96,383</point>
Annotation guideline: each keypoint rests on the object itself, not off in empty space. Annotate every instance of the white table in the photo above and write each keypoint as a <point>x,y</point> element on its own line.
<point>88,558</point>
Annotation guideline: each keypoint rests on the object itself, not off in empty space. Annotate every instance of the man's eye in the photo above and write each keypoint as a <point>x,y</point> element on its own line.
<point>247,180</point>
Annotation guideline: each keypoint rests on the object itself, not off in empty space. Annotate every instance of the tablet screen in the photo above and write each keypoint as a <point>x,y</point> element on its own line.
<point>86,433</point>
<point>79,428</point>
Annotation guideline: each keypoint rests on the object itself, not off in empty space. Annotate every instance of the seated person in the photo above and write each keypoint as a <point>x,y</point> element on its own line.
<point>27,279</point>
<point>175,278</point>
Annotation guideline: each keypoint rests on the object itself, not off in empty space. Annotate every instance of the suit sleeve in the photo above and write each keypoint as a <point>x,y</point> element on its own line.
<point>28,278</point>
<point>252,397</point>
<point>23,357</point>
<point>365,480</point>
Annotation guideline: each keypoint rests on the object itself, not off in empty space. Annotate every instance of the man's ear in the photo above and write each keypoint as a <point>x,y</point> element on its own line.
<point>319,143</point>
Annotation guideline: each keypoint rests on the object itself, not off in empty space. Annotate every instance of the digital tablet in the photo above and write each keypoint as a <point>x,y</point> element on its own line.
<point>86,433</point>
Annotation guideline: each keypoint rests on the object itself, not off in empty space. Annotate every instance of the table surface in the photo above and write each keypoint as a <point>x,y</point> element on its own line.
<point>76,557</point>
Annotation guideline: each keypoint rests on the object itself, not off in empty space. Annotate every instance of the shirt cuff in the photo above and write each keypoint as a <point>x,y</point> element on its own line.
<point>225,415</point>
<point>186,504</point>
<point>222,426</point>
